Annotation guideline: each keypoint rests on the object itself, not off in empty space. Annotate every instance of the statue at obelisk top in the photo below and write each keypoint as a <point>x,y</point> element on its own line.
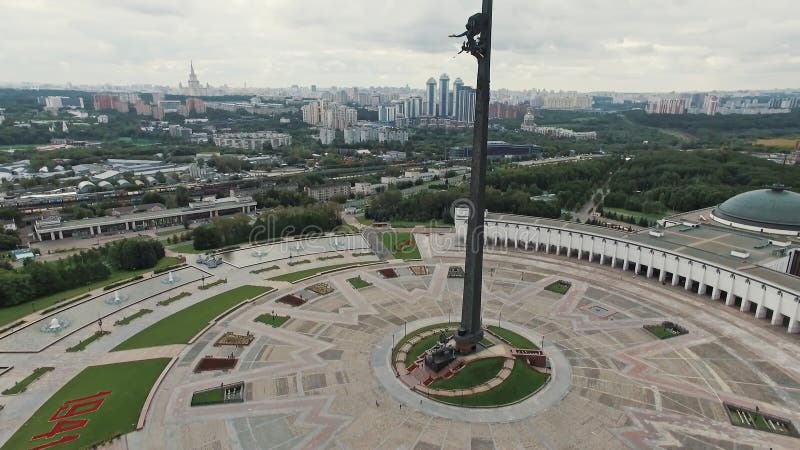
<point>479,45</point>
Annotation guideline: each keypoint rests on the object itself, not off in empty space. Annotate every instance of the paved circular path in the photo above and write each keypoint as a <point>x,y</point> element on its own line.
<point>549,395</point>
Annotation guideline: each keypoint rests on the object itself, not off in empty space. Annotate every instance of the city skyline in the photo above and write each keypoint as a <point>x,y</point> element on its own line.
<point>676,46</point>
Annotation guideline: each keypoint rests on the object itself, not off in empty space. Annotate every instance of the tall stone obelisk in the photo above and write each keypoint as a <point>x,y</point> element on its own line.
<point>478,44</point>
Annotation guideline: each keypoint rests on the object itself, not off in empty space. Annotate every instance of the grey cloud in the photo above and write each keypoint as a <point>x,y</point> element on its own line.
<point>559,44</point>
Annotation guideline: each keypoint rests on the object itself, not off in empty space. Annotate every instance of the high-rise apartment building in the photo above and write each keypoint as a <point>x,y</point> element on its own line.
<point>430,97</point>
<point>667,106</point>
<point>454,106</point>
<point>567,101</point>
<point>329,114</point>
<point>444,95</point>
<point>711,105</point>
<point>465,111</point>
<point>412,107</point>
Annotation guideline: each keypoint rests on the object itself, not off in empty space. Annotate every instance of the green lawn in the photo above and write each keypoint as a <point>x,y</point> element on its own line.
<point>129,384</point>
<point>414,223</point>
<point>12,313</point>
<point>473,374</point>
<point>515,339</point>
<point>364,221</point>
<point>22,386</point>
<point>170,232</point>
<point>394,240</point>
<point>185,247</point>
<point>209,397</point>
<point>358,283</point>
<point>299,275</point>
<point>421,347</point>
<point>558,287</point>
<point>436,326</point>
<point>661,332</point>
<point>522,382</point>
<point>275,321</point>
<point>81,346</point>
<point>406,223</point>
<point>346,229</point>
<point>183,325</point>
<point>636,214</point>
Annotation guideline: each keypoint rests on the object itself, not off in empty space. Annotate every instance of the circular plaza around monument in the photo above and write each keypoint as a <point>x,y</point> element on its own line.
<point>301,356</point>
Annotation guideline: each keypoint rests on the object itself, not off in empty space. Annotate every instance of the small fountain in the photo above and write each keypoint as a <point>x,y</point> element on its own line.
<point>260,253</point>
<point>55,326</point>
<point>116,299</point>
<point>171,278</point>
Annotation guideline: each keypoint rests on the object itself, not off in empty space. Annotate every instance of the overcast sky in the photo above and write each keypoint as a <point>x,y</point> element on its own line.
<point>621,45</point>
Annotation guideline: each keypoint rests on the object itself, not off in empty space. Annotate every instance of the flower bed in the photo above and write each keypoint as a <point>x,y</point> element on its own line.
<point>388,273</point>
<point>292,300</point>
<point>209,363</point>
<point>321,288</point>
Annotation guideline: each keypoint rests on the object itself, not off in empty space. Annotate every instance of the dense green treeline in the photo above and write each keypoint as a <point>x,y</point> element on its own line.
<point>36,279</point>
<point>573,183</point>
<point>684,181</point>
<point>278,222</point>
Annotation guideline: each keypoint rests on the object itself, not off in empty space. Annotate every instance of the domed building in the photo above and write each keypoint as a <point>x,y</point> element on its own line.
<point>775,211</point>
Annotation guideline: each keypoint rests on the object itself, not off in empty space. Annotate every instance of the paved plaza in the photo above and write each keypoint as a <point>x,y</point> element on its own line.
<point>323,380</point>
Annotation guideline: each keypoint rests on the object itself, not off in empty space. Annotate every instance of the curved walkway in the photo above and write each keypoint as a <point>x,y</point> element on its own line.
<point>551,394</point>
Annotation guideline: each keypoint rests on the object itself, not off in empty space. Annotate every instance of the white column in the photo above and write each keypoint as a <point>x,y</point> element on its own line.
<point>777,317</point>
<point>603,258</point>
<point>127,225</point>
<point>794,327</point>
<point>650,269</point>
<point>701,289</point>
<point>516,238</point>
<point>662,275</point>
<point>537,240</point>
<point>715,292</point>
<point>745,300</point>
<point>52,235</point>
<point>675,277</point>
<point>580,252</point>
<point>730,299</point>
<point>761,311</point>
<point>637,267</point>
<point>688,284</point>
<point>614,259</point>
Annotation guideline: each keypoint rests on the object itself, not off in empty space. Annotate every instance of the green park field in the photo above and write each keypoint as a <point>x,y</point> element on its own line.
<point>183,325</point>
<point>128,385</point>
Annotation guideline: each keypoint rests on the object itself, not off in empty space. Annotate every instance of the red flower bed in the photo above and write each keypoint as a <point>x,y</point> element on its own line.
<point>388,273</point>
<point>208,363</point>
<point>292,300</point>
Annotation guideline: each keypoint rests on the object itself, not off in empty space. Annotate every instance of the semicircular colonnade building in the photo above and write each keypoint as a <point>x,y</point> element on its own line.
<point>756,272</point>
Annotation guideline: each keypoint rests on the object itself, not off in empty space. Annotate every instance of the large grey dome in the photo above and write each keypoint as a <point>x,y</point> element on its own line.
<point>774,208</point>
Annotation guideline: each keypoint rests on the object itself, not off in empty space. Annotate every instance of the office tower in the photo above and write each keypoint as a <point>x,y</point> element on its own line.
<point>466,104</point>
<point>453,107</point>
<point>430,97</point>
<point>444,94</point>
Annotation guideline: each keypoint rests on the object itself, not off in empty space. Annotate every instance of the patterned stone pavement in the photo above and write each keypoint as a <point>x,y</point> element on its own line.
<point>312,383</point>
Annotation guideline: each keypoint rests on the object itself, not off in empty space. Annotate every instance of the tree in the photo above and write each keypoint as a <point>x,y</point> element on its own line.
<point>182,196</point>
<point>15,288</point>
<point>153,197</point>
<point>206,237</point>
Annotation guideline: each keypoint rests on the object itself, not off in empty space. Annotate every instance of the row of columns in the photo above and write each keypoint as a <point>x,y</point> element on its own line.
<point>716,292</point>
